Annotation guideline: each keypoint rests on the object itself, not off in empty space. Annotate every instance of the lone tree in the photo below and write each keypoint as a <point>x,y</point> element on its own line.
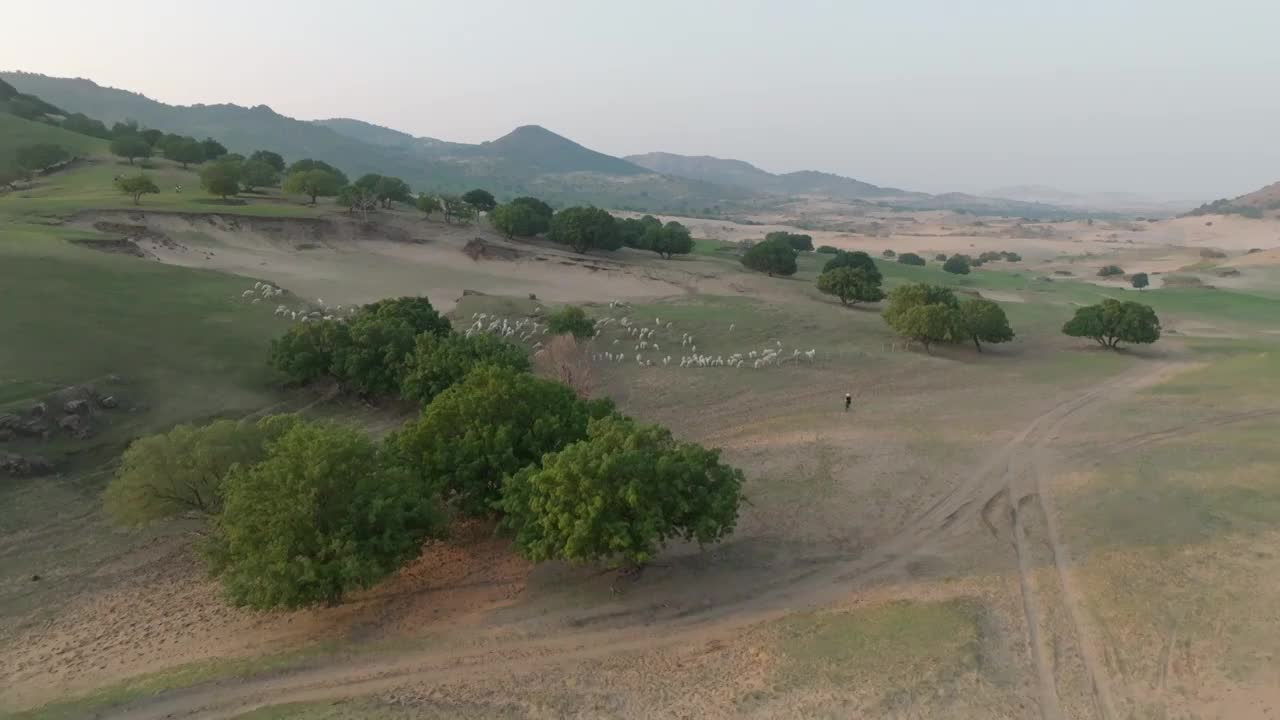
<point>911,258</point>
<point>326,513</point>
<point>441,361</point>
<point>851,285</point>
<point>571,320</point>
<point>314,183</point>
<point>620,494</point>
<point>855,259</point>
<point>956,265</point>
<point>772,257</point>
<point>496,421</point>
<point>1140,280</point>
<point>130,146</point>
<point>306,164</point>
<point>137,186</point>
<point>427,204</point>
<point>221,178</point>
<point>983,320</point>
<point>270,158</point>
<point>668,240</point>
<point>33,158</point>
<point>185,151</point>
<point>1112,322</point>
<point>928,314</point>
<point>889,253</point>
<point>585,228</point>
<point>480,200</point>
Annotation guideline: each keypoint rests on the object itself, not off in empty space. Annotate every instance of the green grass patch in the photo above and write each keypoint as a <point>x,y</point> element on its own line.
<point>122,693</point>
<point>16,133</point>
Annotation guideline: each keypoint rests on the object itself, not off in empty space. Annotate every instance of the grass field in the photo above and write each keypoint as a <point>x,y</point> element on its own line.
<point>16,133</point>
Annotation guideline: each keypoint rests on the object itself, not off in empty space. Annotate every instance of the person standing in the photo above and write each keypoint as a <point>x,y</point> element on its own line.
<point>848,401</point>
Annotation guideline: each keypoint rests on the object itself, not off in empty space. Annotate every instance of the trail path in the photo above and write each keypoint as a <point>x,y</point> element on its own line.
<point>1011,484</point>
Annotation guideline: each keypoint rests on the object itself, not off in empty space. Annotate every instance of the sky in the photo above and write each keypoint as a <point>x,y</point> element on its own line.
<point>1170,98</point>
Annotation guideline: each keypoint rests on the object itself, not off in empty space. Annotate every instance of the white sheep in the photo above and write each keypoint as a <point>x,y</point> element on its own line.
<point>246,293</point>
<point>732,326</point>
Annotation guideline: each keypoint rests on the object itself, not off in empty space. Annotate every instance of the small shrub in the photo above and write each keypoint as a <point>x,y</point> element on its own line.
<point>889,253</point>
<point>911,258</point>
<point>571,320</point>
<point>1110,271</point>
<point>827,250</point>
<point>1212,253</point>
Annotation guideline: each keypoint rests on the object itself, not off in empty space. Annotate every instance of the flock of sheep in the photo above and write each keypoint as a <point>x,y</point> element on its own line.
<point>645,349</point>
<point>265,291</point>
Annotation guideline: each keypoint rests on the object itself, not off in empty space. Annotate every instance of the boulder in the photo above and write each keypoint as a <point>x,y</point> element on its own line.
<point>77,425</point>
<point>38,410</point>
<point>76,407</point>
<point>9,421</point>
<point>109,402</point>
<point>6,435</point>
<point>24,466</point>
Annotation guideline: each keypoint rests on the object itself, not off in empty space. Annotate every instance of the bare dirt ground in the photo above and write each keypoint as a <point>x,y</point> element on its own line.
<point>921,557</point>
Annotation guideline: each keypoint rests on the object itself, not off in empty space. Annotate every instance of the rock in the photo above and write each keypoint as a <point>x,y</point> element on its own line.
<point>38,410</point>
<point>75,407</point>
<point>533,296</point>
<point>35,578</point>
<point>6,435</point>
<point>9,421</point>
<point>20,466</point>
<point>77,425</point>
<point>109,402</point>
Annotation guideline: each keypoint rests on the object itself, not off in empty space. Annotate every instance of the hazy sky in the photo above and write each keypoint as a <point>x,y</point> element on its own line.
<point>1173,97</point>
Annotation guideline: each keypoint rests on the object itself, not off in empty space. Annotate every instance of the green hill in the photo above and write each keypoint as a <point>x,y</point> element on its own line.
<point>16,132</point>
<point>529,160</point>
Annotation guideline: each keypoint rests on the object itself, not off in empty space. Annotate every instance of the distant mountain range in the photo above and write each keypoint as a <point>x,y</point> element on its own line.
<point>528,160</point>
<point>1112,201</point>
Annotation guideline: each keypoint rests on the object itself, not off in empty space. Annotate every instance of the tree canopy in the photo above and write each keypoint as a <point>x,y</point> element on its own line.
<point>308,164</point>
<point>258,173</point>
<point>797,241</point>
<point>182,470</point>
<point>1140,280</point>
<point>221,178</point>
<point>212,149</point>
<point>480,200</point>
<point>514,220</point>
<point>314,183</point>
<point>621,493</point>
<point>571,320</point>
<point>137,186</point>
<point>184,150</point>
<point>306,352</point>
<point>854,259</point>
<point>440,361</point>
<point>772,257</point>
<point>927,314</point>
<point>585,228</point>
<point>956,265</point>
<point>130,146</point>
<point>380,340</point>
<point>493,423</point>
<point>325,513</point>
<point>910,258</point>
<point>427,204</point>
<point>1112,322</point>
<point>667,240</point>
<point>984,320</point>
<point>851,285</point>
<point>272,159</point>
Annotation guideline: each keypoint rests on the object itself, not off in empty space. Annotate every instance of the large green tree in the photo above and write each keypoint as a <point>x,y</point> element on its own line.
<point>324,514</point>
<point>182,470</point>
<point>539,207</point>
<point>620,494</point>
<point>380,340</point>
<point>440,361</point>
<point>984,320</point>
<point>307,351</point>
<point>856,259</point>
<point>221,178</point>
<point>797,241</point>
<point>493,423</point>
<point>316,182</point>
<point>851,285</point>
<point>668,240</point>
<point>514,220</point>
<point>585,228</point>
<point>184,150</point>
<point>1112,322</point>
<point>131,147</point>
<point>308,164</point>
<point>772,257</point>
<point>480,200</point>
<point>213,149</point>
<point>258,173</point>
<point>137,186</point>
<point>925,313</point>
<point>272,159</point>
<point>956,265</point>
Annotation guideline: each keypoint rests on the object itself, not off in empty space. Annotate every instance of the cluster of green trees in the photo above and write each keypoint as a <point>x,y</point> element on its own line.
<point>771,257</point>
<point>31,159</point>
<point>797,241</point>
<point>590,228</point>
<point>522,217</point>
<point>931,314</point>
<point>304,512</point>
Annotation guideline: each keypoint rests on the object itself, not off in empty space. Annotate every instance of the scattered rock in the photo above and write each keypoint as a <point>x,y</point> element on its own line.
<point>6,435</point>
<point>76,407</point>
<point>479,249</point>
<point>38,410</point>
<point>77,425</point>
<point>467,291</point>
<point>109,402</point>
<point>24,466</point>
<point>35,578</point>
